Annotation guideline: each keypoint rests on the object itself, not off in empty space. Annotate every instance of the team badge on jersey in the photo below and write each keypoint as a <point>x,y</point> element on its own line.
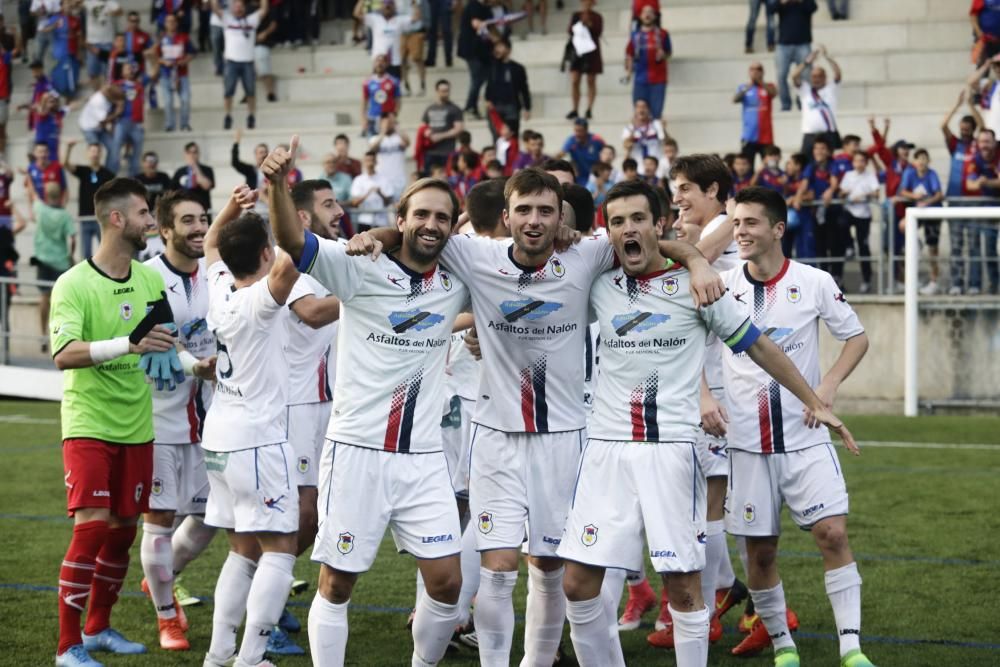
<point>157,487</point>
<point>589,536</point>
<point>445,281</point>
<point>126,311</point>
<point>670,286</point>
<point>345,543</point>
<point>558,270</point>
<point>793,293</point>
<point>485,522</point>
<point>749,513</point>
<point>303,464</point>
<point>381,96</point>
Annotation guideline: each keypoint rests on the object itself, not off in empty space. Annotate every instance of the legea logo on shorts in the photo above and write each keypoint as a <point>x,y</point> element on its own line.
<point>345,543</point>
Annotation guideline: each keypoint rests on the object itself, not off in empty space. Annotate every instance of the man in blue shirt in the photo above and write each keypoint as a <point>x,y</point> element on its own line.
<point>583,148</point>
<point>962,149</point>
<point>921,187</point>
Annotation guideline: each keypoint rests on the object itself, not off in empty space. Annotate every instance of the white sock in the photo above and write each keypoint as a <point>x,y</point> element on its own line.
<point>433,625</point>
<point>691,636</point>
<point>158,567</point>
<point>588,623</point>
<point>470,575</point>
<point>843,587</point>
<point>231,592</point>
<point>544,616</point>
<point>770,606</point>
<point>724,577</point>
<point>611,594</point>
<point>420,589</point>
<point>635,578</point>
<point>495,617</point>
<point>265,602</point>
<point>715,551</point>
<point>327,632</point>
<point>190,539</point>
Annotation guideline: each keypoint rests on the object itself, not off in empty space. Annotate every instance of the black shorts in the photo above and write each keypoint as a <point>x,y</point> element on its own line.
<point>46,272</point>
<point>932,232</point>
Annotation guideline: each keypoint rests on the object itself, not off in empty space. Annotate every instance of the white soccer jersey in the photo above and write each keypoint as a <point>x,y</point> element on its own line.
<point>654,344</point>
<point>179,415</point>
<point>532,327</point>
<point>462,369</point>
<point>764,416</point>
<point>729,259</point>
<point>393,338</point>
<point>308,350</point>
<point>251,395</point>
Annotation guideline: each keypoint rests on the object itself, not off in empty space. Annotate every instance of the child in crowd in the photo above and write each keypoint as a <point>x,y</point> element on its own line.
<point>860,187</point>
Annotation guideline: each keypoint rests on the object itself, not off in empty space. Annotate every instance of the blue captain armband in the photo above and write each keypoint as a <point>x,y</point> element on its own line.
<point>310,250</point>
<point>743,338</point>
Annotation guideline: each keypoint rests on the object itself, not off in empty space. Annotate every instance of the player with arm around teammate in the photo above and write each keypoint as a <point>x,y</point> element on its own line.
<point>779,452</point>
<point>640,468</point>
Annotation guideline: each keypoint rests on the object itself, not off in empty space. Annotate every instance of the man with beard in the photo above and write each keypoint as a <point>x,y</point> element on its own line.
<point>180,482</point>
<point>382,463</point>
<point>98,329</point>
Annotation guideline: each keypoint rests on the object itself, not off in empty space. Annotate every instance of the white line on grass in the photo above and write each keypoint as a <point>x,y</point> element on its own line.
<point>26,419</point>
<point>927,445</point>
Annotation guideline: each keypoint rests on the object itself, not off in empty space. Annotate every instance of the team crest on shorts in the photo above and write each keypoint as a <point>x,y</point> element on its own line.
<point>558,270</point>
<point>303,464</point>
<point>126,311</point>
<point>485,522</point>
<point>157,487</point>
<point>749,513</point>
<point>138,491</point>
<point>345,543</point>
<point>589,536</point>
<point>670,286</point>
<point>793,293</point>
<point>445,281</point>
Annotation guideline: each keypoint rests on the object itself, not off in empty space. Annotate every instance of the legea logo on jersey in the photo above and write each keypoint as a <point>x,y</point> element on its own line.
<point>637,321</point>
<point>527,309</point>
<point>417,320</point>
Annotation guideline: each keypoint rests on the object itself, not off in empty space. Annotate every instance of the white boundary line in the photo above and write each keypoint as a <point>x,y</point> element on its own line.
<point>927,445</point>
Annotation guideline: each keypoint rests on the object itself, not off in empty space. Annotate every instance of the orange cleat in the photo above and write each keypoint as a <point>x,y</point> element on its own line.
<point>745,624</point>
<point>641,599</point>
<point>714,630</point>
<point>727,598</point>
<point>759,638</point>
<point>172,636</point>
<point>662,638</point>
<point>664,620</point>
<point>181,616</point>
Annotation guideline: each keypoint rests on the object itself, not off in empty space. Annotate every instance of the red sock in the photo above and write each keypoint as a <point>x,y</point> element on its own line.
<point>112,566</point>
<point>75,577</point>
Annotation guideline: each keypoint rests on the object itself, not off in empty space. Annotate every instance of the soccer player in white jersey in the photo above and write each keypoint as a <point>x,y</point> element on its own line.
<point>640,469</point>
<point>382,464</point>
<point>777,454</point>
<point>530,305</point>
<point>180,483</point>
<point>249,461</point>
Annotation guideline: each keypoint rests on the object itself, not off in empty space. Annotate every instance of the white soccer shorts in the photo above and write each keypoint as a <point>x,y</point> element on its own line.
<point>252,491</point>
<point>456,441</point>
<point>180,483</point>
<point>713,456</point>
<point>363,490</point>
<point>518,478</point>
<point>625,487</point>
<point>810,481</point>
<point>307,424</point>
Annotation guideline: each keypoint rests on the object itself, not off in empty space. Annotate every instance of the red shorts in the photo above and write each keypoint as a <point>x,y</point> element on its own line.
<point>102,474</point>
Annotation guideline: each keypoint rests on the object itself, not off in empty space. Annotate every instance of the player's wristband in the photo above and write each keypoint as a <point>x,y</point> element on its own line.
<point>188,361</point>
<point>159,313</point>
<point>106,350</point>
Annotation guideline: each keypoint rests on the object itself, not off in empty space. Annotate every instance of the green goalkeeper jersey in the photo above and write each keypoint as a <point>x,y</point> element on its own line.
<point>111,401</point>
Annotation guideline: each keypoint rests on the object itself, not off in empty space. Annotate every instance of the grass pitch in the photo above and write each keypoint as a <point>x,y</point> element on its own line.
<point>923,527</point>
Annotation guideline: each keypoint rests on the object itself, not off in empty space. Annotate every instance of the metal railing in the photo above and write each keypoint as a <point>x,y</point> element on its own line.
<point>6,299</point>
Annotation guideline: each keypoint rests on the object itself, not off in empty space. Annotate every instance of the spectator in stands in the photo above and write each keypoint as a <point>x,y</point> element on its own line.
<point>6,78</point>
<point>464,145</point>
<point>340,182</point>
<point>583,148</point>
<point>794,42</point>
<point>541,7</point>
<point>391,143</point>
<point>91,176</point>
<point>607,156</point>
<point>101,30</point>
<point>267,37</point>
<point>250,172</point>
<point>62,29</point>
<point>218,35</point>
<point>533,154</point>
<point>42,171</point>
<point>55,243</point>
<point>97,117</point>
<point>563,170</point>
<point>770,175</point>
<point>646,57</point>
<point>769,23</point>
<point>43,10</point>
<point>343,161</point>
<point>182,9</point>
<point>600,182</point>
<point>985,18</point>
<point>799,239</point>
<point>821,181</point>
<point>445,121</point>
<point>465,177</point>
<point>156,181</point>
<point>419,13</point>
<point>985,81</point>
<point>387,29</point>
<point>26,23</point>
<point>961,150</point>
<point>582,24</point>
<point>667,157</point>
<point>440,23</point>
<point>819,100</point>
<point>475,50</point>
<point>129,127</point>
<point>984,181</point>
<point>649,166</point>
<point>240,30</point>
<point>48,121</point>
<point>757,98</point>
<point>860,187</point>
<point>644,134</point>
<point>507,95</point>
<point>921,187</point>
<point>174,53</point>
<point>11,224</point>
<point>380,94</point>
<point>194,176</point>
<point>630,170</point>
<point>578,209</point>
<point>370,193</point>
<point>138,43</point>
<point>742,173</point>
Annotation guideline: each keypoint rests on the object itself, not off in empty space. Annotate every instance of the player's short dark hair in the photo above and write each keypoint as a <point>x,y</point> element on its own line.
<point>629,164</point>
<point>484,204</point>
<point>341,137</point>
<point>771,201</point>
<point>241,242</point>
<point>771,149</point>
<point>552,164</point>
<point>531,181</point>
<point>582,203</point>
<point>168,202</point>
<point>703,169</point>
<point>425,184</point>
<point>303,192</point>
<point>441,82</point>
<point>114,196</point>
<point>922,151</point>
<point>631,189</point>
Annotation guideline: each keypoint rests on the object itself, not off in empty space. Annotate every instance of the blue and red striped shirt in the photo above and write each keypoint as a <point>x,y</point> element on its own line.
<point>642,48</point>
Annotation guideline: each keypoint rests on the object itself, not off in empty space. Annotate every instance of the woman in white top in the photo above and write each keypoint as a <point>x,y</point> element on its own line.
<point>860,187</point>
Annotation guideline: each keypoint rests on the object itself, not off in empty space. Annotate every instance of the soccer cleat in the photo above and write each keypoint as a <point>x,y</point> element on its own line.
<point>279,643</point>
<point>181,616</point>
<point>714,630</point>
<point>172,636</point>
<point>786,657</point>
<point>727,598</point>
<point>746,622</point>
<point>299,586</point>
<point>662,638</point>
<point>212,661</point>
<point>262,663</point>
<point>184,598</point>
<point>76,656</point>
<point>759,638</point>
<point>288,622</point>
<point>112,641</point>
<point>664,620</point>
<point>855,658</point>
<point>641,599</point>
<point>470,639</point>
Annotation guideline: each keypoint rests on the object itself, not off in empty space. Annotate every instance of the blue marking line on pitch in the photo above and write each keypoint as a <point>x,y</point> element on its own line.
<point>376,609</point>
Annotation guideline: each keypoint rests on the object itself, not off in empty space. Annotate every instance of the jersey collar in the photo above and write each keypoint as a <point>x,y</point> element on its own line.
<point>524,268</point>
<point>410,272</point>
<point>767,283</point>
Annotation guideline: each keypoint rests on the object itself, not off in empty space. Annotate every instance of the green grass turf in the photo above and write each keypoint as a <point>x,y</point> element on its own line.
<point>910,509</point>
